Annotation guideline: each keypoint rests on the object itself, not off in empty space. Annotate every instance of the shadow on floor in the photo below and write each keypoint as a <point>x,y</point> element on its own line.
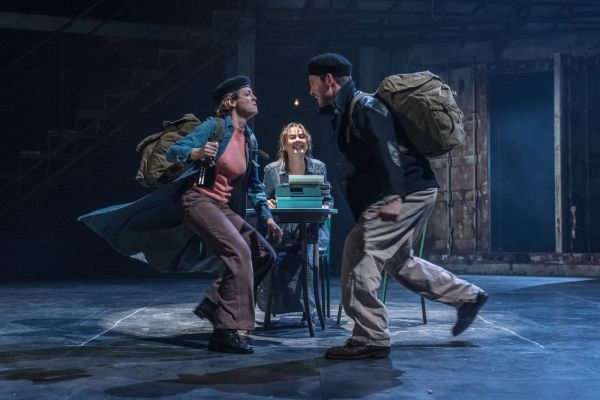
<point>291,379</point>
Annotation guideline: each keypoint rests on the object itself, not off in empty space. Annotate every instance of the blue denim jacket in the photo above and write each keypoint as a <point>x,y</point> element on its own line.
<point>151,230</point>
<point>275,174</point>
<point>180,152</point>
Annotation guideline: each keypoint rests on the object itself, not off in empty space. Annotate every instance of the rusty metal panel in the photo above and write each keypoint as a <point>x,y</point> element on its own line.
<point>589,214</point>
<point>558,133</point>
<point>454,224</point>
<point>437,228</point>
<point>578,150</point>
<point>464,227</point>
<point>482,127</point>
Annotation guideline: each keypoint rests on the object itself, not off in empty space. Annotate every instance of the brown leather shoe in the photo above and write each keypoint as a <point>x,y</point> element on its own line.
<point>355,350</point>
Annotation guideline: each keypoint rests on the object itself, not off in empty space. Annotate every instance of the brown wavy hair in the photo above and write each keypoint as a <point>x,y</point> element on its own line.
<point>223,108</point>
<point>283,137</point>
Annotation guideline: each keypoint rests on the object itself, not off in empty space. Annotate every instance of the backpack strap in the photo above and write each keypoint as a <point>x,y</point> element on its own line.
<point>351,128</point>
<point>219,130</point>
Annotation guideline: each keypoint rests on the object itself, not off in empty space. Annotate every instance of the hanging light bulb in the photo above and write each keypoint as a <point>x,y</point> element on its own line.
<point>296,102</point>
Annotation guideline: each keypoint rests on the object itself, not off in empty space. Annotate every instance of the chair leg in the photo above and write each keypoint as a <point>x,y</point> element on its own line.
<point>384,286</point>
<point>267,321</point>
<point>318,304</point>
<point>421,247</point>
<point>325,272</point>
<point>322,280</point>
<point>339,314</point>
<point>328,288</point>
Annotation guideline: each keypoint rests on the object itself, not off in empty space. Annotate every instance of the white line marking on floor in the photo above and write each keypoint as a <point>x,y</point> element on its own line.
<point>514,333</point>
<point>112,327</point>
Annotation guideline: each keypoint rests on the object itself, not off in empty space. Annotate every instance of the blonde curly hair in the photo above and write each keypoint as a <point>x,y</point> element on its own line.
<point>283,138</point>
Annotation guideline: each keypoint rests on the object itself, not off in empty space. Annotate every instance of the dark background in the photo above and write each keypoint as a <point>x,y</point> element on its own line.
<point>522,162</point>
<point>53,71</point>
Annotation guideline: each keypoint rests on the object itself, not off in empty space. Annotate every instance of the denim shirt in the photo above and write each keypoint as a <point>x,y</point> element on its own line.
<point>275,174</point>
<point>180,152</point>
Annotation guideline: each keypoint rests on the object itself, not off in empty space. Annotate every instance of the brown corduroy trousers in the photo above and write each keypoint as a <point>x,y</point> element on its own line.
<point>246,253</point>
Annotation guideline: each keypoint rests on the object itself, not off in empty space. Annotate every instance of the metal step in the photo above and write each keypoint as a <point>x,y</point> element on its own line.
<point>32,159</point>
<point>114,99</point>
<point>120,109</point>
<point>33,154</point>
<point>7,177</point>
<point>90,122</point>
<point>62,135</point>
<point>168,58</point>
<point>62,144</point>
<point>196,40</point>
<point>141,77</point>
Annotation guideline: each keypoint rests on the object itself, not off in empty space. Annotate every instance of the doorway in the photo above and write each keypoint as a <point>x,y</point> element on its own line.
<point>521,109</point>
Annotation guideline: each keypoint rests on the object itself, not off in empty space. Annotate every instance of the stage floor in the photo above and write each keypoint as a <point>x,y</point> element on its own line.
<point>536,338</point>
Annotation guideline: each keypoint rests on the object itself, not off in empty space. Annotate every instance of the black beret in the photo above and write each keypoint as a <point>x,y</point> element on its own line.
<point>229,85</point>
<point>330,63</point>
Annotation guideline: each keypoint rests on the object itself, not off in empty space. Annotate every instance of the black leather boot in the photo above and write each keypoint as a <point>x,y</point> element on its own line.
<point>206,310</point>
<point>228,341</point>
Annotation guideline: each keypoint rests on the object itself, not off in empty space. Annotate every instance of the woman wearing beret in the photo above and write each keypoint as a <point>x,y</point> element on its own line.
<point>283,284</point>
<point>216,213</point>
<point>171,227</point>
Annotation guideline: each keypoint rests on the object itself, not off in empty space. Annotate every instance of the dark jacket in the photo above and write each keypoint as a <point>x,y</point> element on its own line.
<point>370,165</point>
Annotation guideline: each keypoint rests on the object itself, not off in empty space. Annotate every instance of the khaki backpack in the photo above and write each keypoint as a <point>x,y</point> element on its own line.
<point>155,170</point>
<point>426,109</point>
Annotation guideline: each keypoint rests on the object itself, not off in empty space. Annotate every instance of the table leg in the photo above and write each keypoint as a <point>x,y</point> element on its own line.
<point>322,278</point>
<point>328,286</point>
<point>304,277</point>
<point>267,321</point>
<point>315,240</point>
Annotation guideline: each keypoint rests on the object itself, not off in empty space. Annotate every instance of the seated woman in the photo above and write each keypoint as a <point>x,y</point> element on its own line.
<point>295,145</point>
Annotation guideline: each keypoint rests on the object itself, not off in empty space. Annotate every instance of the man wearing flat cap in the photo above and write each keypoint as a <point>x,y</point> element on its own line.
<point>391,195</point>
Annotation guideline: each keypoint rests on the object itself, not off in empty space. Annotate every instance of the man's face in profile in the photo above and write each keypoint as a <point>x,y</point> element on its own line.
<point>320,90</point>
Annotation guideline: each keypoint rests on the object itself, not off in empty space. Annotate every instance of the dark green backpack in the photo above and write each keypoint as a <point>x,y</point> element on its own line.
<point>155,170</point>
<point>426,109</point>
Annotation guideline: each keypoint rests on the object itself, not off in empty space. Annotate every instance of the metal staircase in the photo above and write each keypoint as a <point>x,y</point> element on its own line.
<point>40,169</point>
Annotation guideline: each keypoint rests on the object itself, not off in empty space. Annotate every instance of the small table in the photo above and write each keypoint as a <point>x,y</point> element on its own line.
<point>305,217</point>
